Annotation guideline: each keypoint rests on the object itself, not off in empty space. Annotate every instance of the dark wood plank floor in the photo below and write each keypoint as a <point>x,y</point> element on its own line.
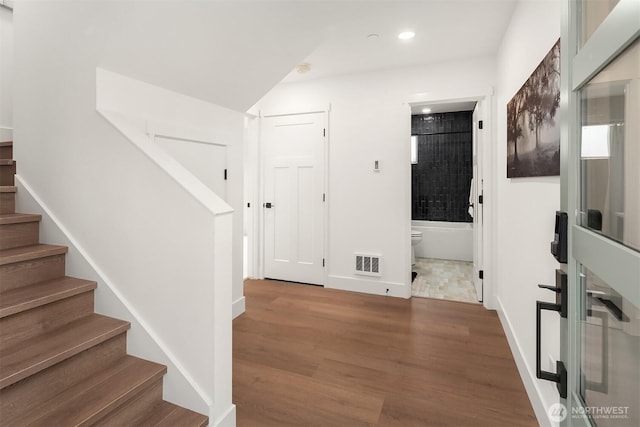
<point>309,356</point>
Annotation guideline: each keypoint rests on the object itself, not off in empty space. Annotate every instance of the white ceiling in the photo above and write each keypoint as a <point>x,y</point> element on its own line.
<point>232,52</point>
<point>446,30</point>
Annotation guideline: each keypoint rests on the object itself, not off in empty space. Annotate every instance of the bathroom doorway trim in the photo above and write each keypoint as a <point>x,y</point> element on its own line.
<point>487,155</point>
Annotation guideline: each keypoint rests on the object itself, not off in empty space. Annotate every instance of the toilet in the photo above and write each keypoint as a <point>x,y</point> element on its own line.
<point>416,237</point>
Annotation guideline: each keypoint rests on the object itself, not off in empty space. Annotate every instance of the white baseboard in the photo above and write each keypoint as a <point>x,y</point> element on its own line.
<point>526,374</point>
<point>239,307</point>
<point>228,419</point>
<point>367,286</point>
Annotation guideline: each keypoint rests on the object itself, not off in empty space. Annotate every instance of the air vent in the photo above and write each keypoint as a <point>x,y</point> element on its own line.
<point>368,264</point>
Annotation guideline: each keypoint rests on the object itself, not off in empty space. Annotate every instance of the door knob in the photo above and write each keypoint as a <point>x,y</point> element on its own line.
<point>561,293</point>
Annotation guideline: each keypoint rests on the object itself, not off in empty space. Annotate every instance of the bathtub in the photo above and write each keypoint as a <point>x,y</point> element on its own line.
<point>445,240</point>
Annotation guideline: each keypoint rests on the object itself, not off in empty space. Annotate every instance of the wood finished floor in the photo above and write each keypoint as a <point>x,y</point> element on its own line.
<point>309,356</point>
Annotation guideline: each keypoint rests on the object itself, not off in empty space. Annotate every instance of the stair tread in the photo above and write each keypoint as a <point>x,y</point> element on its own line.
<point>96,396</point>
<point>24,253</point>
<point>27,297</point>
<point>6,144</point>
<point>7,162</point>
<point>7,189</point>
<point>35,354</point>
<point>18,218</point>
<point>169,415</point>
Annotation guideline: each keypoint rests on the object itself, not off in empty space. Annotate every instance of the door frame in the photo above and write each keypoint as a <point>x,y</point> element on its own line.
<point>487,153</point>
<point>260,230</point>
<point>477,207</point>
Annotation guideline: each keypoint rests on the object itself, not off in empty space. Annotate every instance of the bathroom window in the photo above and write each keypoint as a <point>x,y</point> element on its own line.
<point>414,149</point>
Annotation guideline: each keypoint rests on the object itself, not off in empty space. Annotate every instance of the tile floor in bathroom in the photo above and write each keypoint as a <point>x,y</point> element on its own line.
<point>444,279</point>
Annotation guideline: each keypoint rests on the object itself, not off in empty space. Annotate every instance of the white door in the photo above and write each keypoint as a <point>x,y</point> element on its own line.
<point>600,327</point>
<point>294,197</point>
<point>477,206</point>
<point>208,162</point>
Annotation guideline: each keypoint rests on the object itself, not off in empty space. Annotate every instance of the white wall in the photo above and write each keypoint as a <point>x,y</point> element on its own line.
<point>173,114</point>
<point>370,119</point>
<point>152,232</point>
<point>141,341</point>
<point>525,210</point>
<point>164,254</point>
<point>6,74</point>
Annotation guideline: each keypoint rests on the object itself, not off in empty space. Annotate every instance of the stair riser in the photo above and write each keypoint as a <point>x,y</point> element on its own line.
<point>22,234</point>
<point>28,272</point>
<point>6,152</point>
<point>7,203</point>
<point>40,320</point>
<point>105,397</point>
<point>131,413</point>
<point>33,392</point>
<point>7,173</point>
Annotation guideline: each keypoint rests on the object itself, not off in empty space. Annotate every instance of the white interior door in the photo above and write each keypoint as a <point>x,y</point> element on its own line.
<point>293,197</point>
<point>208,162</point>
<point>477,206</point>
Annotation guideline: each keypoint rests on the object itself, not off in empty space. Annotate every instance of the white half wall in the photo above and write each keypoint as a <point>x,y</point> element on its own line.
<point>140,341</point>
<point>525,211</point>
<point>160,111</point>
<point>6,74</point>
<point>369,120</point>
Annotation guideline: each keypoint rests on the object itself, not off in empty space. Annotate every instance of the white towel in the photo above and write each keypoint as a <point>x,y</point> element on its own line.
<point>471,198</point>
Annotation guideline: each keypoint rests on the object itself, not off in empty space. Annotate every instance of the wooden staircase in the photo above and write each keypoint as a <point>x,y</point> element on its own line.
<point>61,364</point>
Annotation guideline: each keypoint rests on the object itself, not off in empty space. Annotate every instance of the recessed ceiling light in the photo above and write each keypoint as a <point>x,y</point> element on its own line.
<point>426,110</point>
<point>406,35</point>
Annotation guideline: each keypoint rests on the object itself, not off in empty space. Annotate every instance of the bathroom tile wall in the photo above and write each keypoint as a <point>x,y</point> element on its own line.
<point>441,179</point>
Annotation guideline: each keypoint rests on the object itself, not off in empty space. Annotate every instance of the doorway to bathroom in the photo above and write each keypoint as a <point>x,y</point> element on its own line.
<point>446,201</point>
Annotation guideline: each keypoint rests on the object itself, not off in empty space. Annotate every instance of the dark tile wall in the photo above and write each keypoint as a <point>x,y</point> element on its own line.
<point>441,180</point>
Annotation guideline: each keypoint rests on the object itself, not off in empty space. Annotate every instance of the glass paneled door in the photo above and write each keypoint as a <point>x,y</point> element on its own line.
<point>601,193</point>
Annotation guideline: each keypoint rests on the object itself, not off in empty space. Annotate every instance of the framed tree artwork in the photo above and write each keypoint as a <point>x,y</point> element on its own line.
<point>533,133</point>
